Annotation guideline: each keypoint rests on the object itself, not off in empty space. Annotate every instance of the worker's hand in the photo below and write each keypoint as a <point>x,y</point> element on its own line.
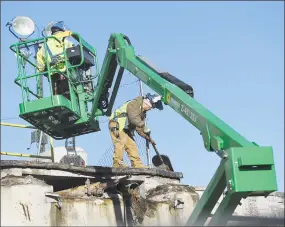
<point>146,130</point>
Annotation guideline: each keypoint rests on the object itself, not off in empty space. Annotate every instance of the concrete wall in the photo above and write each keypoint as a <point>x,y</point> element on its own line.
<point>110,212</point>
<point>24,202</point>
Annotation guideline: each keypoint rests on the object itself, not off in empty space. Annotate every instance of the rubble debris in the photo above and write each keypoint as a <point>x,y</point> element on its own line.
<point>141,207</point>
<point>162,193</point>
<point>96,189</point>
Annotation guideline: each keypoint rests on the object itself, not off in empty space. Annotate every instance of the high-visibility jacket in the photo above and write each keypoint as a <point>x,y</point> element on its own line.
<point>56,49</point>
<point>131,116</point>
<point>120,116</point>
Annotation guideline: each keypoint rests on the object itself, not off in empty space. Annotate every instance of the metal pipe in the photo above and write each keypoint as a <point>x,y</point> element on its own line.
<point>24,155</point>
<point>49,72</point>
<point>147,153</point>
<point>17,125</point>
<point>141,88</point>
<point>27,89</point>
<point>40,145</point>
<point>51,148</point>
<point>21,75</point>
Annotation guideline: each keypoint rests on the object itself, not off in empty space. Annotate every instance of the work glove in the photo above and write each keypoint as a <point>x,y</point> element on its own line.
<point>146,130</point>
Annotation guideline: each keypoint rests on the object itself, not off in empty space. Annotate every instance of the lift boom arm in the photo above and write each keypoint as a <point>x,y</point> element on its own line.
<point>246,169</point>
<point>216,134</point>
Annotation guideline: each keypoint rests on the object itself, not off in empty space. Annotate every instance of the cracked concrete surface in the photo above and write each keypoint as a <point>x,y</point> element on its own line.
<point>24,201</point>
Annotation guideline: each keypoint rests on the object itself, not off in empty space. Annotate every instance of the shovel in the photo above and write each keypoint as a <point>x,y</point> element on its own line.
<point>158,159</point>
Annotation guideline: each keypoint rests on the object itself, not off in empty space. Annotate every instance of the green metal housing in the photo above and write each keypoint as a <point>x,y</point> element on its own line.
<point>246,169</point>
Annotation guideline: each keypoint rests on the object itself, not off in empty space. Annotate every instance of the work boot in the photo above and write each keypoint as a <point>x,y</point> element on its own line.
<point>117,163</point>
<point>120,166</point>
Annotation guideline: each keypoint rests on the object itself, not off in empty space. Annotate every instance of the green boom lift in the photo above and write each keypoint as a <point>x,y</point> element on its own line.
<point>246,169</point>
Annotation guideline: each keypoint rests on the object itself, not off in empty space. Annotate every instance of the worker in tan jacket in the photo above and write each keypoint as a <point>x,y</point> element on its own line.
<point>124,121</point>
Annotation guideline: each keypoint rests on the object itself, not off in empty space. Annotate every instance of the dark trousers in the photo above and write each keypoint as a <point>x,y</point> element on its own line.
<point>60,86</point>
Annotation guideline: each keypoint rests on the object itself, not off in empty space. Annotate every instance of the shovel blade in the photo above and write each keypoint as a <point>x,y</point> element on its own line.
<point>166,162</point>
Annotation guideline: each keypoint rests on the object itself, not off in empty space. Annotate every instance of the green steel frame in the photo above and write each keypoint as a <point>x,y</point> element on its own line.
<point>246,169</point>
<point>72,115</point>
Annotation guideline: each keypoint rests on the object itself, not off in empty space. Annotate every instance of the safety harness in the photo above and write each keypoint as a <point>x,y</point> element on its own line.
<point>55,58</point>
<point>120,116</point>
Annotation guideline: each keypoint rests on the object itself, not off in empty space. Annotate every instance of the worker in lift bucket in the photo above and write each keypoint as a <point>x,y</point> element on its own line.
<point>122,124</point>
<point>55,59</point>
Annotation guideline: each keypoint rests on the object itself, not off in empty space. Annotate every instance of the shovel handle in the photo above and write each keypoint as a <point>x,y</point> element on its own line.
<point>156,151</point>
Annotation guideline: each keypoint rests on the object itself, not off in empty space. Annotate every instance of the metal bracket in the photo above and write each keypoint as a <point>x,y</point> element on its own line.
<point>87,186</point>
<point>54,198</point>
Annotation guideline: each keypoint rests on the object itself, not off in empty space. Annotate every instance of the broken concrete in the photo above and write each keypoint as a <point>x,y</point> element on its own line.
<point>37,194</point>
<point>74,206</point>
<point>167,205</point>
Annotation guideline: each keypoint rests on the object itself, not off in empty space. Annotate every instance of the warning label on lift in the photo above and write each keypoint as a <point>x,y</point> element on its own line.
<point>181,108</point>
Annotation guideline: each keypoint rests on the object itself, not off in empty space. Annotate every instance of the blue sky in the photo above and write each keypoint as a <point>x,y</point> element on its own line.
<point>232,53</point>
